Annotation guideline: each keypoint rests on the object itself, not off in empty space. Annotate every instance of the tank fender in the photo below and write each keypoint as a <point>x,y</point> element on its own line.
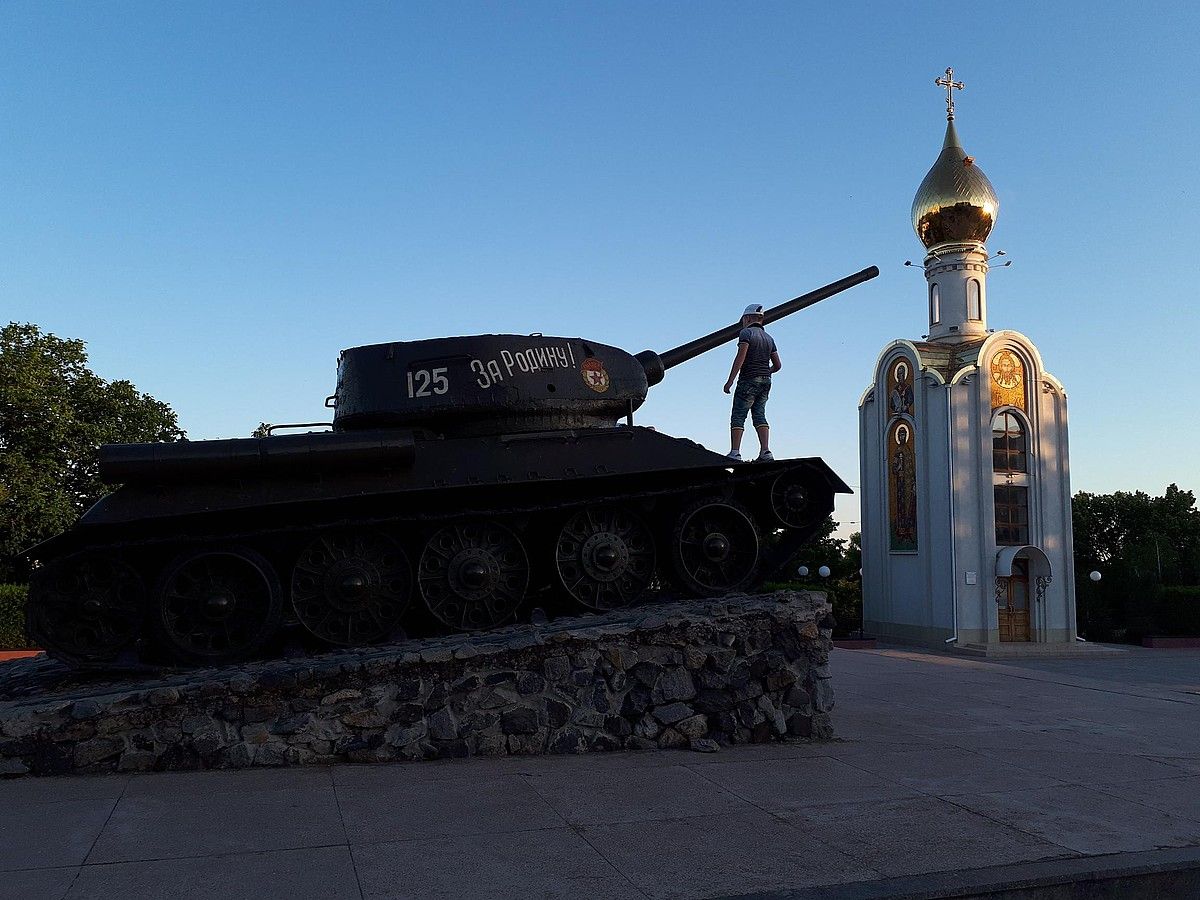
<point>321,451</point>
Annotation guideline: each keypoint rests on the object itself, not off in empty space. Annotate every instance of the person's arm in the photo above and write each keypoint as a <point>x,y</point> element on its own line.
<point>743,349</point>
<point>776,365</point>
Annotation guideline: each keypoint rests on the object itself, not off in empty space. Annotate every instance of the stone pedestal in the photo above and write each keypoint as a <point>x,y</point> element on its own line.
<point>701,674</point>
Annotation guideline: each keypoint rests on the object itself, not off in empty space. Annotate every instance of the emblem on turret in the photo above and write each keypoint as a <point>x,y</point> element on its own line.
<point>594,375</point>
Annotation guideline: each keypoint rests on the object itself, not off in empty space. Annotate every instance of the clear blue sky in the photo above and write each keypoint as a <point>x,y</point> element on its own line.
<point>220,196</point>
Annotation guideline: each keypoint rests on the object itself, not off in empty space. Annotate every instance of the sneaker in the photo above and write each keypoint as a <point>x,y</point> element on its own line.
<point>766,456</point>
<point>735,455</point>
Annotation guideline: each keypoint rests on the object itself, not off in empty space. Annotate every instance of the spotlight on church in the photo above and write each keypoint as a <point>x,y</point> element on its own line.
<point>823,571</point>
<point>1094,575</point>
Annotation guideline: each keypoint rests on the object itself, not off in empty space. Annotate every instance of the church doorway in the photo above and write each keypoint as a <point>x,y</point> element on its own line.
<point>1022,576</point>
<point>1013,612</point>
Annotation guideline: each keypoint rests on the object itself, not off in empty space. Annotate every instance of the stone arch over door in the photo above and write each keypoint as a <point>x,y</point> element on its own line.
<point>1022,576</point>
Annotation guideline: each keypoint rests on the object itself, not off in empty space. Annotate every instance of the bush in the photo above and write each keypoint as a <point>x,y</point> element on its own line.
<point>1125,608</point>
<point>1178,612</point>
<point>12,617</point>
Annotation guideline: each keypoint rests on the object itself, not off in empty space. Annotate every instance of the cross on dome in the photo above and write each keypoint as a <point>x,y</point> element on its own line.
<point>949,84</point>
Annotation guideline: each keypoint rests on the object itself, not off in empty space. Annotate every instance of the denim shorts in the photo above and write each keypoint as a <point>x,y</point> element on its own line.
<point>750,395</point>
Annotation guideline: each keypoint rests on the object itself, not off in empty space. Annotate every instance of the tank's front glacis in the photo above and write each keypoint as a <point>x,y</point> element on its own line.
<point>487,384</point>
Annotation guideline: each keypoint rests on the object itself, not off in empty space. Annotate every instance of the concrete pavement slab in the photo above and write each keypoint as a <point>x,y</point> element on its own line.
<point>221,781</point>
<point>202,813</point>
<point>391,803</point>
<point>1052,739</point>
<point>1177,796</point>
<point>76,787</point>
<point>552,863</point>
<point>1152,874</point>
<point>712,856</point>
<point>315,874</point>
<point>38,884</point>
<point>41,835</point>
<point>787,785</point>
<point>920,834</point>
<point>1189,763</point>
<point>949,771</point>
<point>592,798</point>
<point>890,727</point>
<point>1165,739</point>
<point>1084,820</point>
<point>1087,767</point>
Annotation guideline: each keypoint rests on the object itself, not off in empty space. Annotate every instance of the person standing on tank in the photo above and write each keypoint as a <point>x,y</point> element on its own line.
<point>756,361</point>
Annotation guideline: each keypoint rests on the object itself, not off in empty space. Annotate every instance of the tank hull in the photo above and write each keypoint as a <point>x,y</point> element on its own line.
<point>453,533</point>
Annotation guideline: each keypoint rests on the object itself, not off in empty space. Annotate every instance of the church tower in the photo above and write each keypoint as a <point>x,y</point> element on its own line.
<point>966,499</point>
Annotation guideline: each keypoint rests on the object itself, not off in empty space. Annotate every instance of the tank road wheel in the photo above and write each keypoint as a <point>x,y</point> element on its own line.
<point>473,575</point>
<point>351,587</point>
<point>85,608</point>
<point>605,557</point>
<point>218,606</point>
<point>715,547</point>
<point>796,503</point>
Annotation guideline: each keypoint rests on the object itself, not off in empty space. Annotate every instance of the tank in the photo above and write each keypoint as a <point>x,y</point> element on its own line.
<point>466,483</point>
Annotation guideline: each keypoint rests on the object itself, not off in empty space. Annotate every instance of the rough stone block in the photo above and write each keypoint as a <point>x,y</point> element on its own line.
<point>693,727</point>
<point>442,726</point>
<point>89,753</point>
<point>672,712</point>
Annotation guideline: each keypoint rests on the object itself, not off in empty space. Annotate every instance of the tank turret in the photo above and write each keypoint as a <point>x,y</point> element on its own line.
<point>499,383</point>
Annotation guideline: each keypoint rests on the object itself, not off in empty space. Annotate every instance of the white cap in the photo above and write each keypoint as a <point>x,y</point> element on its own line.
<point>754,309</point>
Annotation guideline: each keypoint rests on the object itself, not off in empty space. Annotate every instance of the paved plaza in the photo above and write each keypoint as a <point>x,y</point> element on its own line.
<point>945,765</point>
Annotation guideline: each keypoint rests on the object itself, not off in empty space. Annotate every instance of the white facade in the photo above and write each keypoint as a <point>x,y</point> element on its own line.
<point>946,588</point>
<point>965,479</point>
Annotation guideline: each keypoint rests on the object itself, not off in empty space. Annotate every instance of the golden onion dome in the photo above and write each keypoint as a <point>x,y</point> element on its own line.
<point>955,202</point>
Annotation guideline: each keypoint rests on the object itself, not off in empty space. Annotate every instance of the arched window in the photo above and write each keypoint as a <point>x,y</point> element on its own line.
<point>1012,514</point>
<point>1010,443</point>
<point>935,305</point>
<point>974,308</point>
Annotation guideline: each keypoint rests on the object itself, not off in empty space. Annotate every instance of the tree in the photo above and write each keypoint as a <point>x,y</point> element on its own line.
<point>1146,548</point>
<point>843,585</point>
<point>54,415</point>
<point>1152,539</point>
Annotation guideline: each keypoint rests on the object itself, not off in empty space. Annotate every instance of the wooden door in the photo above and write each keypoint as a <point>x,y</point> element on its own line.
<point>1013,612</point>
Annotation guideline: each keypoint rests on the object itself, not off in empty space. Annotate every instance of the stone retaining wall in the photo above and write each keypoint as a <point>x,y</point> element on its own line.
<point>699,675</point>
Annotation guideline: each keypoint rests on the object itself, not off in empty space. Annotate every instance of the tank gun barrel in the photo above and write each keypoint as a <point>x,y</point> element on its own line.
<point>656,364</point>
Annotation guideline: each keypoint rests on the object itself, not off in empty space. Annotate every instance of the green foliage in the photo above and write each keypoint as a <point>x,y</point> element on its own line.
<point>12,617</point>
<point>1178,611</point>
<point>1147,550</point>
<point>844,584</point>
<point>54,415</point>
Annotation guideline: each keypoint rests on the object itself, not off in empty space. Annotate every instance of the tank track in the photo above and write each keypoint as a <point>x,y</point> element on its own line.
<point>338,581</point>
